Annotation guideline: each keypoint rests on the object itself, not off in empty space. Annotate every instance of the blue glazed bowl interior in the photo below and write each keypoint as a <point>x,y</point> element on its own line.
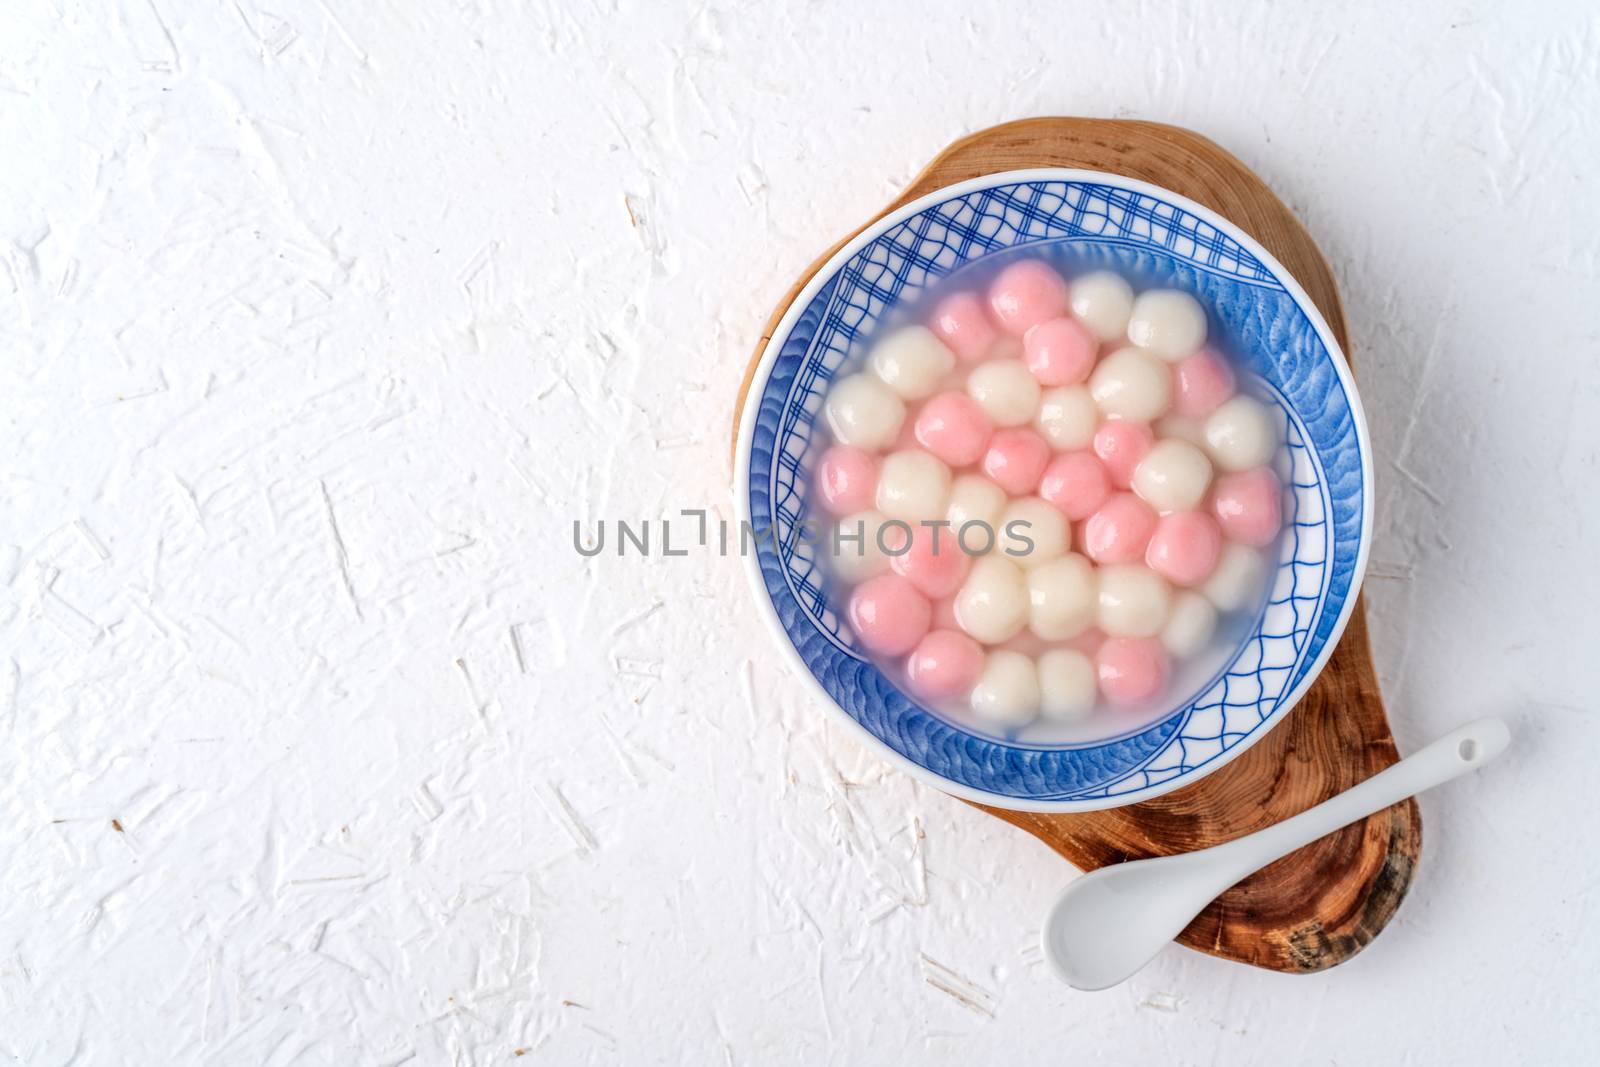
<point>1080,222</point>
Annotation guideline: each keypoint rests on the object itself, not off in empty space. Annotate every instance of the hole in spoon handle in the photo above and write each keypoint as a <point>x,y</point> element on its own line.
<point>1456,753</point>
<point>1481,741</point>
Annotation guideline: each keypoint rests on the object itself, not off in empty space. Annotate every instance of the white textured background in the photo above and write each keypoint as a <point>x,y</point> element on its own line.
<point>320,322</point>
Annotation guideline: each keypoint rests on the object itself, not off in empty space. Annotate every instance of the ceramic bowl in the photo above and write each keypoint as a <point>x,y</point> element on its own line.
<point>1273,330</point>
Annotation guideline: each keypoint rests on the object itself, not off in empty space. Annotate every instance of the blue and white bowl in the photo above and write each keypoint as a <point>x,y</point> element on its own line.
<point>1273,329</point>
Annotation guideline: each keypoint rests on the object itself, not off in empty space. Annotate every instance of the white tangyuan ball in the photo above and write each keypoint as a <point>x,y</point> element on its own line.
<point>913,485</point>
<point>1237,580</point>
<point>1134,601</point>
<point>1240,434</point>
<point>1132,384</point>
<point>1007,691</point>
<point>1191,624</point>
<point>1006,390</point>
<point>912,361</point>
<point>1067,417</point>
<point>1066,685</point>
<point>1170,323</point>
<point>1102,301</point>
<point>1061,598</point>
<point>1173,476</point>
<point>992,605</point>
<point>864,413</point>
<point>853,546</point>
<point>1035,521</point>
<point>975,499</point>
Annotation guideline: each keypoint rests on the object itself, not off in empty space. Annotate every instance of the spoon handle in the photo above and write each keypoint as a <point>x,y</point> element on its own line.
<point>1456,753</point>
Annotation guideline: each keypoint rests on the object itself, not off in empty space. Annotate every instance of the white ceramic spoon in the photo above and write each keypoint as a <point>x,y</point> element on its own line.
<point>1111,922</point>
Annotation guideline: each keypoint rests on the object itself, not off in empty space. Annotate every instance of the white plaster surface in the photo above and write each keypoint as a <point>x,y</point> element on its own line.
<point>319,324</point>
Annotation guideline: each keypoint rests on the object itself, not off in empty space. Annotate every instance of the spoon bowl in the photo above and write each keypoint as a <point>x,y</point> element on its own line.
<point>1110,923</point>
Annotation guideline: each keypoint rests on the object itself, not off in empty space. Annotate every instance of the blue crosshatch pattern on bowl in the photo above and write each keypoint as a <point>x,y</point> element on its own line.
<point>1083,225</point>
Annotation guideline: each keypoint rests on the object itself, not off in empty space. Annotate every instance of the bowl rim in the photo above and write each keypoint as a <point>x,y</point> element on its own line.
<point>871,232</point>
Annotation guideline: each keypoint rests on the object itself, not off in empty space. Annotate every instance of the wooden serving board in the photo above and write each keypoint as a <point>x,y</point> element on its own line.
<point>1322,904</point>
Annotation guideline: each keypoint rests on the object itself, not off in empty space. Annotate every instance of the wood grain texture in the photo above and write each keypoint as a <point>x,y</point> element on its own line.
<point>1322,904</point>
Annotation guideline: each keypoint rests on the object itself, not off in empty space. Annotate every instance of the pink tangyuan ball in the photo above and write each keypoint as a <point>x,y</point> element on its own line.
<point>847,480</point>
<point>1059,352</point>
<point>954,427</point>
<point>1185,547</point>
<point>1200,383</point>
<point>1120,530</point>
<point>1249,506</point>
<point>933,561</point>
<point>1016,459</point>
<point>1121,444</point>
<point>1076,483</point>
<point>1131,670</point>
<point>962,323</point>
<point>945,663</point>
<point>1025,294</point>
<point>889,615</point>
